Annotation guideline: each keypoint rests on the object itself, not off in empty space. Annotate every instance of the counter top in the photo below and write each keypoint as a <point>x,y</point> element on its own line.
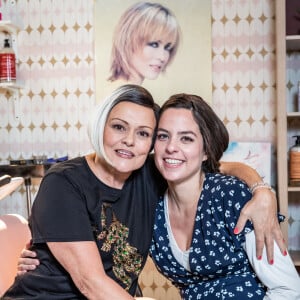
<point>10,187</point>
<point>30,170</point>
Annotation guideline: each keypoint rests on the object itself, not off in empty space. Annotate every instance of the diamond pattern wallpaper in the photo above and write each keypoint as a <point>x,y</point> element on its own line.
<point>56,72</point>
<point>55,69</point>
<point>54,46</point>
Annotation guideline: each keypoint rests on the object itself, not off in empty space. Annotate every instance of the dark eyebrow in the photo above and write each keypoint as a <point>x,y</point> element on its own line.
<point>117,119</point>
<point>180,132</point>
<point>187,132</point>
<point>161,129</point>
<point>121,120</point>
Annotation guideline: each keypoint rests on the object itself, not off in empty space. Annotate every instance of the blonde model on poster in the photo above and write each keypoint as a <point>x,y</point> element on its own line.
<point>145,42</point>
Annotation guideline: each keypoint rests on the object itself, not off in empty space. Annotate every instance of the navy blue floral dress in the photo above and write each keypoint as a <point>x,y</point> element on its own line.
<point>219,265</point>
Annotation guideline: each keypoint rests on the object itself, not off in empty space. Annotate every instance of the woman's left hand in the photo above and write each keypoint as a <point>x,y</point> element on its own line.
<point>261,210</point>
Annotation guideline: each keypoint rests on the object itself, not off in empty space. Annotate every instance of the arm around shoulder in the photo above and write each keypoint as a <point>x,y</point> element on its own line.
<point>261,209</point>
<point>240,170</point>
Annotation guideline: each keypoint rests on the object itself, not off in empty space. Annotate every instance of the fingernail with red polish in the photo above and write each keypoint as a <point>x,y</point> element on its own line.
<point>236,230</point>
<point>259,258</point>
<point>271,262</point>
<point>284,253</point>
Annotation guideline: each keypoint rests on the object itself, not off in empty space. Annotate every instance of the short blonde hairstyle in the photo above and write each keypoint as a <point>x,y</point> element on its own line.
<point>141,23</point>
<point>126,93</point>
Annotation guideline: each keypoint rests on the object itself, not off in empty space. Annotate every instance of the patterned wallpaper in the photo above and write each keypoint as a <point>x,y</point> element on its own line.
<point>56,68</point>
<point>55,53</point>
<point>243,42</point>
<point>244,87</point>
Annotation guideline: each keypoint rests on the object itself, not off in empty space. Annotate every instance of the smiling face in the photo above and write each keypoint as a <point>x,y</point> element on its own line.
<point>149,61</point>
<point>179,146</point>
<point>128,136</point>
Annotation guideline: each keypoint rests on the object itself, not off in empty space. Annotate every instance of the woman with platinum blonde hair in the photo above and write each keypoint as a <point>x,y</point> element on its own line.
<point>145,42</point>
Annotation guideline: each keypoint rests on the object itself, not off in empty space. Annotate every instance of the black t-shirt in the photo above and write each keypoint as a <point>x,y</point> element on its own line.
<point>72,204</point>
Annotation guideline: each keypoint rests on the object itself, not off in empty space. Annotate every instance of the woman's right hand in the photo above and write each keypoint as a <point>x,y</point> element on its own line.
<point>27,261</point>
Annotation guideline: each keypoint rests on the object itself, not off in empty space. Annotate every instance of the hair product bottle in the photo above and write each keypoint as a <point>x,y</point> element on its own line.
<point>7,63</point>
<point>295,162</point>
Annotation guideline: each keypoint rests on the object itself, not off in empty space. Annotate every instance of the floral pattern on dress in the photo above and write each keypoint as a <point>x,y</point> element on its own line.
<point>219,265</point>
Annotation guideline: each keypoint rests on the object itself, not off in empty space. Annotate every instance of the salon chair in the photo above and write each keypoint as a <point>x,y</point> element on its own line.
<point>14,234</point>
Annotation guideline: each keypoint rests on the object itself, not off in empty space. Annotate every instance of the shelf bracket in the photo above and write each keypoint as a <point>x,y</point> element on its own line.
<point>16,101</point>
<point>14,96</point>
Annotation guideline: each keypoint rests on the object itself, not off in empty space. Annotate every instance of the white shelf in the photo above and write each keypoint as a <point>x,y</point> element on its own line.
<point>293,114</point>
<point>294,188</point>
<point>295,256</point>
<point>13,86</point>
<point>8,26</point>
<point>292,42</point>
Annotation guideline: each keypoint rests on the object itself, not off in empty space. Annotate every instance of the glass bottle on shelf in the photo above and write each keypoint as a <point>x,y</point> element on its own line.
<point>7,63</point>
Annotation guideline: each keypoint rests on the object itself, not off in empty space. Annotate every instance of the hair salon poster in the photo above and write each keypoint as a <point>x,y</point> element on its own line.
<point>142,40</point>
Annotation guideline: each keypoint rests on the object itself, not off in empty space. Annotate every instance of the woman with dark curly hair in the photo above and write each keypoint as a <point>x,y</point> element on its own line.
<point>194,244</point>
